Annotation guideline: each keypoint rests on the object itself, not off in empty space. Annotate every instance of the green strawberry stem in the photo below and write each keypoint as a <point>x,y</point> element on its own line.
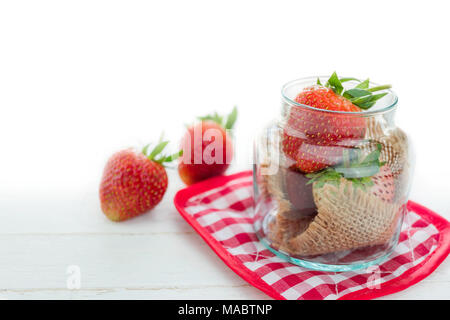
<point>156,156</point>
<point>227,123</point>
<point>378,88</point>
<point>349,79</point>
<point>361,95</point>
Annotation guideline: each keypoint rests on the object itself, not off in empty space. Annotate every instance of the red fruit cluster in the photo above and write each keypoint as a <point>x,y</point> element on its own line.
<point>135,182</point>
<point>315,135</point>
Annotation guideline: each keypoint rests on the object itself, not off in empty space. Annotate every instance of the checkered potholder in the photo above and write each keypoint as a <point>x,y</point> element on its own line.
<point>219,210</point>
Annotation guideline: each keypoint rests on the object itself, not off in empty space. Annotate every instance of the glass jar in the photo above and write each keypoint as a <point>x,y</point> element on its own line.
<point>346,213</point>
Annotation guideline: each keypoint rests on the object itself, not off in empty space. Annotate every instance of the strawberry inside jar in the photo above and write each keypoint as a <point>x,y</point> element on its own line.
<point>336,192</point>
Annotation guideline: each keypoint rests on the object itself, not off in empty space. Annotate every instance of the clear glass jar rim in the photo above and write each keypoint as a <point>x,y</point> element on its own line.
<point>388,108</point>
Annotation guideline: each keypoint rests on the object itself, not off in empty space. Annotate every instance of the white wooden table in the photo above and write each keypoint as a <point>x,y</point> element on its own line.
<point>82,79</point>
<point>155,256</point>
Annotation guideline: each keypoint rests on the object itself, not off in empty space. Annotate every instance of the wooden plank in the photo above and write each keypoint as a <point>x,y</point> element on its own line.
<point>110,261</point>
<point>79,212</point>
<point>157,255</point>
<point>239,292</point>
<point>135,266</point>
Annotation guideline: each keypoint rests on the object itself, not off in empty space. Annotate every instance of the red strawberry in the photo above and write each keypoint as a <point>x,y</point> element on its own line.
<point>133,182</point>
<point>207,149</point>
<point>314,139</point>
<point>384,185</point>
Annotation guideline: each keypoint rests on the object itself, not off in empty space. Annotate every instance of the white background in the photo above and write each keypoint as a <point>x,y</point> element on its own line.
<point>82,79</point>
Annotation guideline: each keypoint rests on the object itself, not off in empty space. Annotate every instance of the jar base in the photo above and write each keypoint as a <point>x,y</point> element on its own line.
<point>323,266</point>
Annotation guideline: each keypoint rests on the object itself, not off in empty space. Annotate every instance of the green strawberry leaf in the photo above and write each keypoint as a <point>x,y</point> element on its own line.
<point>363,85</point>
<point>173,156</point>
<point>367,181</point>
<point>373,156</point>
<point>368,101</point>
<point>231,119</point>
<point>318,82</point>
<point>156,156</point>
<point>361,95</point>
<point>356,93</point>
<point>145,149</point>
<point>355,167</point>
<point>212,117</point>
<point>158,149</point>
<point>325,176</point>
<point>356,183</point>
<point>335,84</point>
<point>228,124</point>
<point>320,184</point>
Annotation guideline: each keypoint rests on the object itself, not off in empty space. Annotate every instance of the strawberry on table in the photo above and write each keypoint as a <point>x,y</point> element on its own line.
<point>315,139</point>
<point>207,148</point>
<point>134,182</point>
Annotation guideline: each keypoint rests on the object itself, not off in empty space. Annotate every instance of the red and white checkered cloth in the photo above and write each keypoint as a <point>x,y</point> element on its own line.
<point>220,211</point>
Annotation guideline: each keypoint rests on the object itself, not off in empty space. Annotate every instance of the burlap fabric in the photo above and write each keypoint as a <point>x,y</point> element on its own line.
<point>347,217</point>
